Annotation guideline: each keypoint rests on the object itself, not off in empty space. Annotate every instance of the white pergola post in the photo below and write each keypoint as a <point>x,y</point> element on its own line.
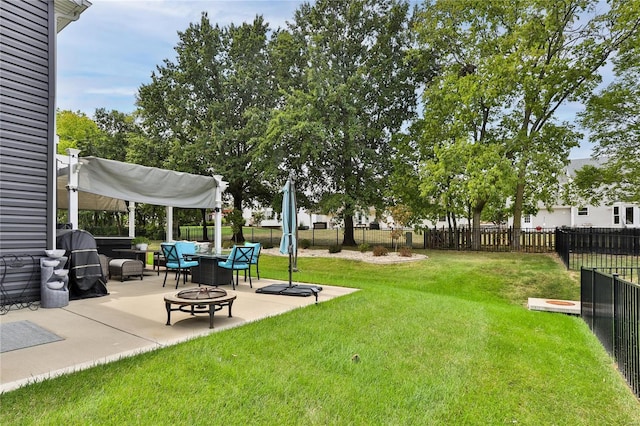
<point>220,188</point>
<point>132,219</point>
<point>169,223</point>
<point>217,238</point>
<point>72,186</point>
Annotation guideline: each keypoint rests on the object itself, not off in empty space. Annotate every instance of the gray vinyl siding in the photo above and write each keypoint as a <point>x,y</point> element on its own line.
<point>27,85</point>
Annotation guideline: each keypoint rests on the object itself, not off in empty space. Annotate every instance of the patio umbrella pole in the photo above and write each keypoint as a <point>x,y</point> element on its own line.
<point>290,265</point>
<point>286,243</point>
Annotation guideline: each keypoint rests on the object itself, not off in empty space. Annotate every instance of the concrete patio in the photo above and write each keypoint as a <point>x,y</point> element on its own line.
<point>130,320</point>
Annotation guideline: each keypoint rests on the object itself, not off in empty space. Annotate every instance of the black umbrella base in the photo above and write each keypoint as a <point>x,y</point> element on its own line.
<point>284,289</point>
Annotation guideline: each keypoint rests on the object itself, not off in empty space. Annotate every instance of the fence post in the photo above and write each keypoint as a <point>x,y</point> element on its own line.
<point>615,296</point>
<point>593,296</point>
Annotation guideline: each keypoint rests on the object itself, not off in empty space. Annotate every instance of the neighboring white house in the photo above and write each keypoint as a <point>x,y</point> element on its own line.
<point>615,215</point>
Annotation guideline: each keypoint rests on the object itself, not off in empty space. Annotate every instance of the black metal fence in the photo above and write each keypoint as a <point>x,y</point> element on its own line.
<point>611,308</point>
<point>601,248</point>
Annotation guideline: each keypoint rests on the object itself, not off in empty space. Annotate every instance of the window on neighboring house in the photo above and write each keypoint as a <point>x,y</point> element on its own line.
<point>616,215</point>
<point>583,211</point>
<point>527,218</point>
<point>442,219</point>
<point>628,214</point>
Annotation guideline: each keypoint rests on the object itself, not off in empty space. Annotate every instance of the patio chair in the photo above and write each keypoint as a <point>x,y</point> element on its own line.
<point>239,260</point>
<point>256,256</point>
<point>158,261</point>
<point>177,258</point>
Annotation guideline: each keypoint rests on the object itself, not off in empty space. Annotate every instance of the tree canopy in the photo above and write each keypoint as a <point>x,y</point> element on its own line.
<point>613,119</point>
<point>210,106</point>
<point>348,92</point>
<point>505,70</point>
<point>452,109</point>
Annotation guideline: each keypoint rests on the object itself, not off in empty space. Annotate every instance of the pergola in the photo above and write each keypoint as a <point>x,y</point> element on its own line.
<point>92,183</point>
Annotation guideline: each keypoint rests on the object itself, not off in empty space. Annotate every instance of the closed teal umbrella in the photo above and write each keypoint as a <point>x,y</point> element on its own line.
<point>288,244</point>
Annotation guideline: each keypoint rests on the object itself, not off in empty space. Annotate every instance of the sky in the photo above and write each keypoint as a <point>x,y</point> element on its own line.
<point>105,56</point>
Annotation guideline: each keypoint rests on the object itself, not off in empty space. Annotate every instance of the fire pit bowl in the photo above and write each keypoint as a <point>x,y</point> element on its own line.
<point>201,293</point>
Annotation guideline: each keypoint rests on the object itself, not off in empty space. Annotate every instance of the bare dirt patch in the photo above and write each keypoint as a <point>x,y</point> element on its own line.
<point>391,257</point>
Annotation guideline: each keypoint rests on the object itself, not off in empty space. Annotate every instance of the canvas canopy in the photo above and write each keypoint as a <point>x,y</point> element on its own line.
<point>99,184</point>
<point>112,181</point>
<point>87,200</point>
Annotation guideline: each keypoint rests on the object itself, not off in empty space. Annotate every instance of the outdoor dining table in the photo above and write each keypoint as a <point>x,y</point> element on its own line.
<point>208,272</point>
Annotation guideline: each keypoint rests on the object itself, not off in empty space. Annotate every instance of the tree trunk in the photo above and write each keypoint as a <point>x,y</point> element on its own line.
<point>517,212</point>
<point>476,211</point>
<point>349,239</point>
<point>118,221</point>
<point>238,236</point>
<point>475,233</point>
<point>452,222</point>
<point>205,235</point>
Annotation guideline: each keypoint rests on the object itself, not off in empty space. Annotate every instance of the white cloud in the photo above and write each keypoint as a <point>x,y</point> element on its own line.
<point>115,91</point>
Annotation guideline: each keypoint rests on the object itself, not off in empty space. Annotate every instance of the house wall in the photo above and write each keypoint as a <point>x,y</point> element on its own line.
<point>599,217</point>
<point>560,216</point>
<point>27,113</point>
<point>595,217</point>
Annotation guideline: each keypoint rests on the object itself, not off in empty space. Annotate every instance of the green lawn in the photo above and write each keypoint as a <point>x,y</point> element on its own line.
<point>443,341</point>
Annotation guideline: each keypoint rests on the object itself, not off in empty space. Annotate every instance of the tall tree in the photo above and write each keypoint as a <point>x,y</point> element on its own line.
<point>210,106</point>
<point>120,128</point>
<point>533,57</point>
<point>350,90</point>
<point>613,118</point>
<point>77,130</point>
<point>463,168</point>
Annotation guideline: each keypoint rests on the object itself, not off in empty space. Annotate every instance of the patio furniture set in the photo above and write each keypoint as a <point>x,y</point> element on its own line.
<point>209,269</point>
<point>184,258</point>
<point>205,269</point>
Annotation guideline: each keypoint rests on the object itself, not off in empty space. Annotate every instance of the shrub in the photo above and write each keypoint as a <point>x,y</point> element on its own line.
<point>364,247</point>
<point>405,251</point>
<point>305,244</point>
<point>380,251</point>
<point>267,245</point>
<point>335,248</point>
<point>140,240</point>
